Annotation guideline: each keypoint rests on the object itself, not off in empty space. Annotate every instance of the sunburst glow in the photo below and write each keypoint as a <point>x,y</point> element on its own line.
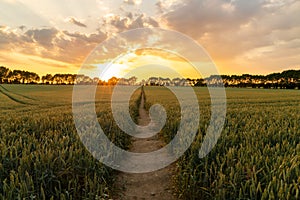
<point>57,36</point>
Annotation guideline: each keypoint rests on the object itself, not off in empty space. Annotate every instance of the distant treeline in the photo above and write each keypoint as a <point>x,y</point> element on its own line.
<point>289,79</point>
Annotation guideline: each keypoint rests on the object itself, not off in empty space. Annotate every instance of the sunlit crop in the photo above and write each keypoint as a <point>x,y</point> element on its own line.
<point>256,157</point>
<point>41,155</point>
<point>258,154</point>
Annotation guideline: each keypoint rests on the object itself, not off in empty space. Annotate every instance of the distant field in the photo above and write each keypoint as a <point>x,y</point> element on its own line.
<point>257,156</point>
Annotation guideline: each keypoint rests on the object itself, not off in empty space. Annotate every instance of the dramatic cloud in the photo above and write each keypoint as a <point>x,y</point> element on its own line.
<point>43,37</point>
<point>120,23</point>
<point>76,22</point>
<point>241,32</point>
<point>241,36</point>
<point>196,18</point>
<point>22,27</point>
<point>51,43</point>
<point>74,47</point>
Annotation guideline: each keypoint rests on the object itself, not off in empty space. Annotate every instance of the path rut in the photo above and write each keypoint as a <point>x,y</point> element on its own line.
<point>152,185</point>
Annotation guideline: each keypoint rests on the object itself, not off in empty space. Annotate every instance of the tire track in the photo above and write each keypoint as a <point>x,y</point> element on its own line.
<point>27,97</point>
<point>13,97</point>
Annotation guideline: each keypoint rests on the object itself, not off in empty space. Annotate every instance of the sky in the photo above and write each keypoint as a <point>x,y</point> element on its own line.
<point>239,36</point>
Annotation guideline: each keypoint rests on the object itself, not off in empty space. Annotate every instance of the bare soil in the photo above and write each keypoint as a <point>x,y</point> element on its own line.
<point>152,185</point>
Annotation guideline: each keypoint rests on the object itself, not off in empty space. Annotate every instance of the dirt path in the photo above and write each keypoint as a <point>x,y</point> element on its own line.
<point>152,185</point>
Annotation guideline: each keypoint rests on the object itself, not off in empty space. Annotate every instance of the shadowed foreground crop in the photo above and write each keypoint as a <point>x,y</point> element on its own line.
<point>256,157</point>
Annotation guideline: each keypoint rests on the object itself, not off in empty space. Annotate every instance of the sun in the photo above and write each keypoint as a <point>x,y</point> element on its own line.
<point>113,70</point>
<point>143,64</point>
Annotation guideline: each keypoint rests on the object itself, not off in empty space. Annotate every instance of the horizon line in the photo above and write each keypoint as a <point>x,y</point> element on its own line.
<point>238,74</point>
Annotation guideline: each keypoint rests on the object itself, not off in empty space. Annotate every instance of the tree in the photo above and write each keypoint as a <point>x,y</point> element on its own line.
<point>47,79</point>
<point>113,81</point>
<point>4,74</point>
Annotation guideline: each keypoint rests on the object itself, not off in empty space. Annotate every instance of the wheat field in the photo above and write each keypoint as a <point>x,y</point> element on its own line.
<point>256,157</point>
